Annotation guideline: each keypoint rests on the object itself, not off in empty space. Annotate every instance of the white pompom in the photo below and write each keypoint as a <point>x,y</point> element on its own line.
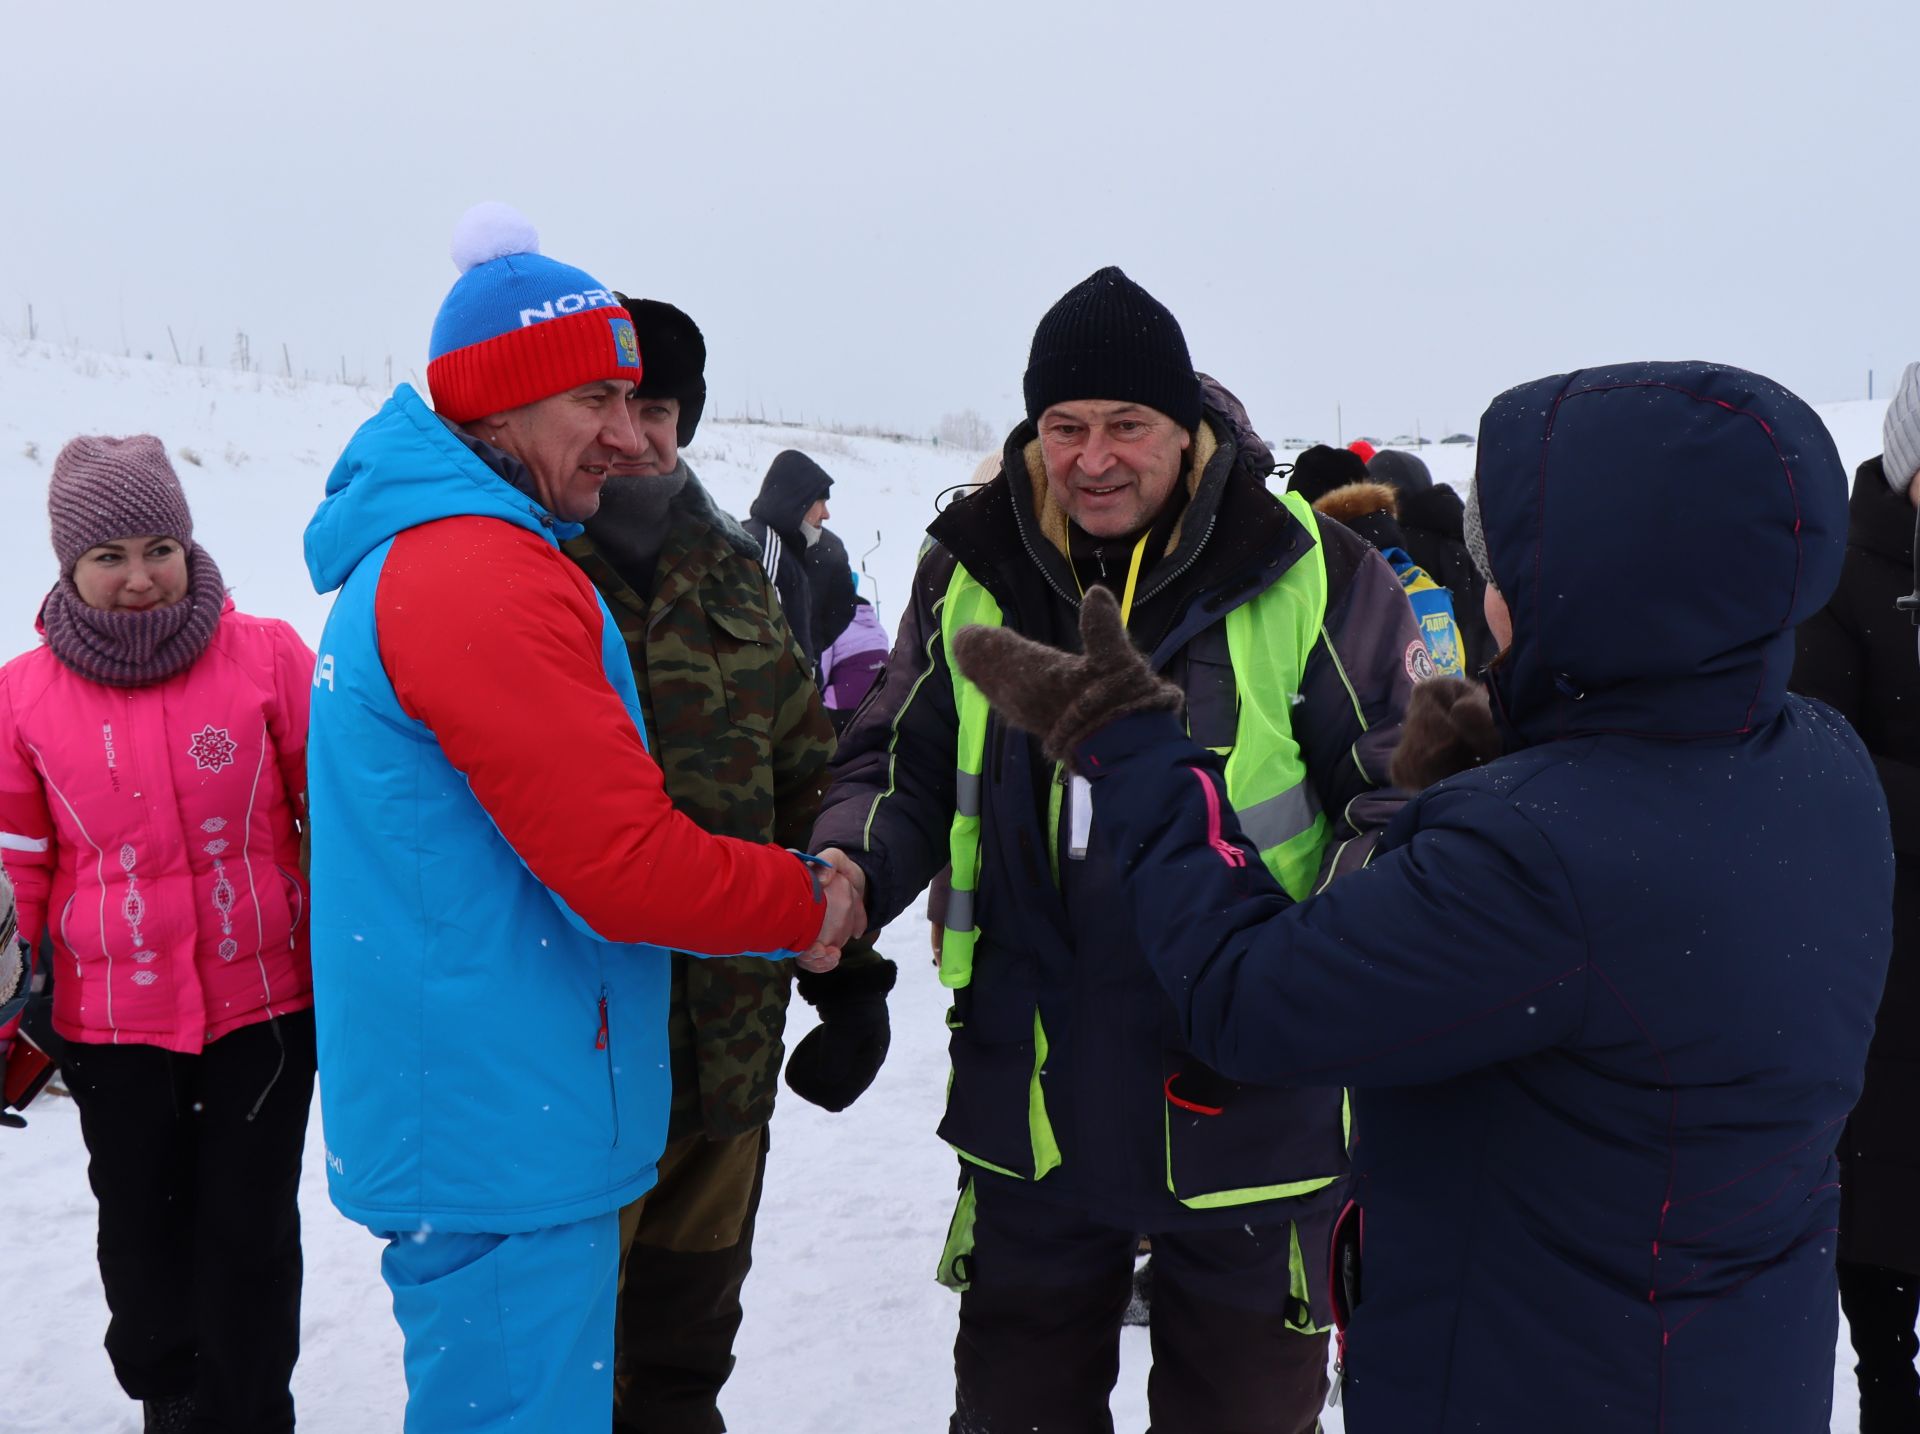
<point>492,231</point>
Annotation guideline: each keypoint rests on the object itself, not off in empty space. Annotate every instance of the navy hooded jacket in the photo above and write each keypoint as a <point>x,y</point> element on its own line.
<point>1605,1002</point>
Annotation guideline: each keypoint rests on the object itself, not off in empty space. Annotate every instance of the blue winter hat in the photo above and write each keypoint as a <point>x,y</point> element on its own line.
<point>517,326</point>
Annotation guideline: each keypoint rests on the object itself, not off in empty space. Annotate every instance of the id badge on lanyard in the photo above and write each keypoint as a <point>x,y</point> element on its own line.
<point>1079,816</point>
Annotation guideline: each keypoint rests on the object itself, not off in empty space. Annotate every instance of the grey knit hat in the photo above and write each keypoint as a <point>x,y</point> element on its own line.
<point>1900,451</point>
<point>108,488</point>
<point>1475,533</point>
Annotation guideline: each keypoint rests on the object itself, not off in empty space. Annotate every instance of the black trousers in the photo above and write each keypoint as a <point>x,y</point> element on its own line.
<point>1039,1345</point>
<point>195,1161</point>
<point>689,1246</point>
<point>1882,1306</point>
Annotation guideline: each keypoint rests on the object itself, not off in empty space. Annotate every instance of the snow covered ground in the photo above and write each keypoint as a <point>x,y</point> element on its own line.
<point>846,1332</point>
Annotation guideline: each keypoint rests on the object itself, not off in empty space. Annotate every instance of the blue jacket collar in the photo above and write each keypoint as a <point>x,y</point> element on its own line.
<point>406,466</point>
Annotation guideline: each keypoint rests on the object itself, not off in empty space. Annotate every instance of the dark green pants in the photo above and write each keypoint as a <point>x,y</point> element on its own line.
<point>686,1247</point>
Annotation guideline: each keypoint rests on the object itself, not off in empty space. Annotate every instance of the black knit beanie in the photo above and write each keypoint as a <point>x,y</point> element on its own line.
<point>673,358</point>
<point>1320,470</point>
<point>1108,338</point>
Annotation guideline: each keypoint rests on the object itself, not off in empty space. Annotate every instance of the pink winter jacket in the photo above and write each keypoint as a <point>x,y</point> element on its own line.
<point>152,828</point>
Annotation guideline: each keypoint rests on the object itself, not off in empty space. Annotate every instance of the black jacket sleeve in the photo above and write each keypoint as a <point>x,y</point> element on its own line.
<point>1354,695</point>
<point>891,804</point>
<point>1830,663</point>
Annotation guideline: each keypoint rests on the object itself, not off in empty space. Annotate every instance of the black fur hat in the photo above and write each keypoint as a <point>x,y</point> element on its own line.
<point>673,358</point>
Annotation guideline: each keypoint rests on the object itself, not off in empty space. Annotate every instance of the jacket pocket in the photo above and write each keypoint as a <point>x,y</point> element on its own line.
<point>996,1112</point>
<point>746,648</point>
<point>1232,1144</point>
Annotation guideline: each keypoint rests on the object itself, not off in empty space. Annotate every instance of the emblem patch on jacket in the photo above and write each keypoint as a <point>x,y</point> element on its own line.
<point>211,748</point>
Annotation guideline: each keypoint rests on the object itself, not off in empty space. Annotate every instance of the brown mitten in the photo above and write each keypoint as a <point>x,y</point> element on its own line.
<point>1449,728</point>
<point>1060,697</point>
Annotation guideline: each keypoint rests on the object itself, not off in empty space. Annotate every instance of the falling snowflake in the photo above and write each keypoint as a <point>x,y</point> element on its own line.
<point>211,748</point>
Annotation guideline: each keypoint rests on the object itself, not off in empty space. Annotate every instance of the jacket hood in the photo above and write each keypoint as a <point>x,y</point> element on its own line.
<point>1406,472</point>
<point>794,483</point>
<point>1657,530</point>
<point>404,467</point>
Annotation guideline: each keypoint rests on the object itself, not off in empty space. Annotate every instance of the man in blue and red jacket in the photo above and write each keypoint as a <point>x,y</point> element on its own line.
<point>496,865</point>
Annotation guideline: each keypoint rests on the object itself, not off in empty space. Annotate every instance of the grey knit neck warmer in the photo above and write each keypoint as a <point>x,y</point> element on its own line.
<point>631,524</point>
<point>1475,534</point>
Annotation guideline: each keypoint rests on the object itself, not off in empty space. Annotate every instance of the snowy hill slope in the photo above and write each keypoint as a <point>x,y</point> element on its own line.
<point>845,1330</point>
<point>254,451</point>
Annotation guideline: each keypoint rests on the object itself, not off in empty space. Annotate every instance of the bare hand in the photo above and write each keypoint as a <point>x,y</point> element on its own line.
<point>846,917</point>
<point>847,867</point>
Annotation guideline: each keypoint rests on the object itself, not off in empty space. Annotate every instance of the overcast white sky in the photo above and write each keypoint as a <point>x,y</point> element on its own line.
<point>1402,207</point>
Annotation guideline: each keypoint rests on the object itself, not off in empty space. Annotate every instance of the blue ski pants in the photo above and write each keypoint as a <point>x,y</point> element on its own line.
<point>507,1332</point>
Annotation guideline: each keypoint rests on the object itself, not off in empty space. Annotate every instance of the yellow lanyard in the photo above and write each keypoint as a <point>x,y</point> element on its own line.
<point>1133,576</point>
<point>1079,794</point>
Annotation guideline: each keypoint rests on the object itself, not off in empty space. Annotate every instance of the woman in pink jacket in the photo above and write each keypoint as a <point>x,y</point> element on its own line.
<point>152,776</point>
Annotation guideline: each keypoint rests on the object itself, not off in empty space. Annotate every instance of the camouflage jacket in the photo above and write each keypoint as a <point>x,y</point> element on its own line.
<point>737,725</point>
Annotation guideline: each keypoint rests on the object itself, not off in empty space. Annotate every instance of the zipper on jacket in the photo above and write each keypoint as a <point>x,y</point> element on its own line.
<point>1226,850</point>
<point>602,1043</point>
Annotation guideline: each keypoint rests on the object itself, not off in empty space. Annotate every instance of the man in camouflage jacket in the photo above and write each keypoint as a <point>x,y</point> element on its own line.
<point>737,726</point>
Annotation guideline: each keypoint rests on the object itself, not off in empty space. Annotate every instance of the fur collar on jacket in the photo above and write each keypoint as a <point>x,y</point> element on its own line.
<point>1358,500</point>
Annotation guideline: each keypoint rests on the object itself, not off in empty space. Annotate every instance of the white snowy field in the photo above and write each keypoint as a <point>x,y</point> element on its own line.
<point>845,1330</point>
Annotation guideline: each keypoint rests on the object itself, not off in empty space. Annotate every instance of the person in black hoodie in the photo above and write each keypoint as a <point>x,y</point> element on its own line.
<point>1857,655</point>
<point>1432,520</point>
<point>786,520</point>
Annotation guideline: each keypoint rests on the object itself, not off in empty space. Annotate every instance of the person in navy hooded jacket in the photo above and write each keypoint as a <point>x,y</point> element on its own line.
<point>492,843</point>
<point>1604,996</point>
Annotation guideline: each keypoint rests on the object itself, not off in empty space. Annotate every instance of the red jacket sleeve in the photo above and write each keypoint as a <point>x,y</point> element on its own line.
<point>492,639</point>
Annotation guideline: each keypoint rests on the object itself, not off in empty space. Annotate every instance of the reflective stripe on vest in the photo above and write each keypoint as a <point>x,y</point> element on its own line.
<point>967,603</point>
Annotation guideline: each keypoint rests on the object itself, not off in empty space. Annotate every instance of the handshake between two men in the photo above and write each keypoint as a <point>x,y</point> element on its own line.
<point>843,888</point>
